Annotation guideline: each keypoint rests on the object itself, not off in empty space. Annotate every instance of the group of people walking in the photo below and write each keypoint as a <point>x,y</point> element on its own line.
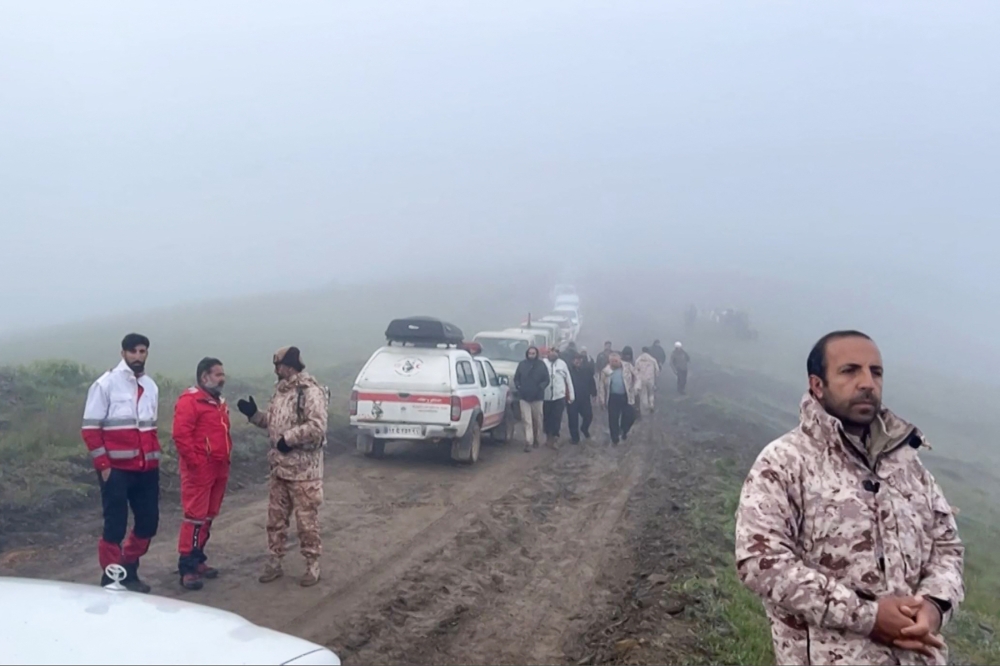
<point>571,381</point>
<point>120,431</point>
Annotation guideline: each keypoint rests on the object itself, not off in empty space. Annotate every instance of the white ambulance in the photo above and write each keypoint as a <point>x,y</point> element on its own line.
<point>427,385</point>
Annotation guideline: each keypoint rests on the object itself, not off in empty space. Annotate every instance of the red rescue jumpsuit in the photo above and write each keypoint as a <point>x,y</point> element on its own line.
<point>204,445</point>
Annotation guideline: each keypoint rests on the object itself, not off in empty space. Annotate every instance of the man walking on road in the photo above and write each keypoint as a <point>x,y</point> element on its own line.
<point>679,361</point>
<point>530,380</point>
<point>617,393</point>
<point>604,356</point>
<point>843,531</point>
<point>659,353</point>
<point>558,395</point>
<point>204,448</point>
<point>648,370</point>
<point>296,421</point>
<point>119,428</point>
<point>584,389</point>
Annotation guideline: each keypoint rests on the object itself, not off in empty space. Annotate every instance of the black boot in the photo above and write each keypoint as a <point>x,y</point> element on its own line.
<point>132,583</point>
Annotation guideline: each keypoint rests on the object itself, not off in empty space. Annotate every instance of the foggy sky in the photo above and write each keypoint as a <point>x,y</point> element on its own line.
<point>156,153</point>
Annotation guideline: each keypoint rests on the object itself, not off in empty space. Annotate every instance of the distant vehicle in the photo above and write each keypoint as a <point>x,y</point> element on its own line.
<point>50,622</point>
<point>506,349</point>
<point>573,313</point>
<point>428,385</point>
<point>539,336</point>
<point>567,331</point>
<point>553,329</point>
<point>565,294</point>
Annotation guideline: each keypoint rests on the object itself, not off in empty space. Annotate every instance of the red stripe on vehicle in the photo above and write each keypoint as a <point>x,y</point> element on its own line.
<point>492,421</point>
<point>469,402</point>
<point>393,397</point>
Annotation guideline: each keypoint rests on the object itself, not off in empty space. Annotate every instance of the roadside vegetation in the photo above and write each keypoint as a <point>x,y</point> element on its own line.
<point>44,465</point>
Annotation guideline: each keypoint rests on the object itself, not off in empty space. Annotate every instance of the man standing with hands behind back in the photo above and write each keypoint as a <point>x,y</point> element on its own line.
<point>843,531</point>
<point>295,421</point>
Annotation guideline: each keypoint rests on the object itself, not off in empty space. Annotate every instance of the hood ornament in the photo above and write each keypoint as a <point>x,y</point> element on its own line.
<point>117,574</point>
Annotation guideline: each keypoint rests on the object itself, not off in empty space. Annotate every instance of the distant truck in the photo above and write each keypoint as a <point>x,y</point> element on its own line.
<point>426,384</point>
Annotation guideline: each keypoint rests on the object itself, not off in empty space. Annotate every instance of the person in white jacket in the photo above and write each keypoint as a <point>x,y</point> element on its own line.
<point>558,394</point>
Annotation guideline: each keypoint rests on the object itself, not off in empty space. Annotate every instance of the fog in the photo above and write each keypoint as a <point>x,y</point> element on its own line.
<point>821,165</point>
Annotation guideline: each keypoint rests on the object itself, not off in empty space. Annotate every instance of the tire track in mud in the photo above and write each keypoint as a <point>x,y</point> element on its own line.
<point>507,585</point>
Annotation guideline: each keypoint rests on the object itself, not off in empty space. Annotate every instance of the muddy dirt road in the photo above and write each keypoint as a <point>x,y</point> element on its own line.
<point>523,558</point>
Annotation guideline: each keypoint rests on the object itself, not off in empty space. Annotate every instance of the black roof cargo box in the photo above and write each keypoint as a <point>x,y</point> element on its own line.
<point>423,330</point>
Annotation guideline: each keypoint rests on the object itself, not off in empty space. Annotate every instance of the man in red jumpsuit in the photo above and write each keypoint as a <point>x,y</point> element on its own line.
<point>201,433</point>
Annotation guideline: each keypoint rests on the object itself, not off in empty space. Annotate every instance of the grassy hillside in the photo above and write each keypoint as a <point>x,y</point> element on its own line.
<point>330,325</point>
<point>44,466</point>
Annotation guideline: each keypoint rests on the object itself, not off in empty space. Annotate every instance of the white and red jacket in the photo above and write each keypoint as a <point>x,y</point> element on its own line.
<point>119,421</point>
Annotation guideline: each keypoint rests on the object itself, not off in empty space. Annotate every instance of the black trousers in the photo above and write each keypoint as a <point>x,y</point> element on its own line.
<point>580,409</point>
<point>139,491</point>
<point>682,380</point>
<point>552,416</point>
<point>621,416</point>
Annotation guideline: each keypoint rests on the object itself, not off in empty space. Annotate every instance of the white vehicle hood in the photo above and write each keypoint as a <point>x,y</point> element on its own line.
<point>49,622</point>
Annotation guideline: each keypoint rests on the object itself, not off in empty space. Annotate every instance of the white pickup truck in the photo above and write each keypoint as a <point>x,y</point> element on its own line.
<point>428,385</point>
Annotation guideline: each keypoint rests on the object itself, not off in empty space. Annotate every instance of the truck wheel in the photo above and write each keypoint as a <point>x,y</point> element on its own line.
<point>371,447</point>
<point>466,449</point>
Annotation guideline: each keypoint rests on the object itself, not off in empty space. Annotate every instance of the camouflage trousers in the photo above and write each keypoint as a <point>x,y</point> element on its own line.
<point>304,498</point>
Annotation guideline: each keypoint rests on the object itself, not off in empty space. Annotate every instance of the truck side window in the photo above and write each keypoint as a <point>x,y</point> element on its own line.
<point>465,376</point>
<point>481,373</point>
<point>492,374</point>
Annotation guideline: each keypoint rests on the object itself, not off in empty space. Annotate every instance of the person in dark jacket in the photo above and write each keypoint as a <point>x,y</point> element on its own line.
<point>531,379</point>
<point>604,356</point>
<point>659,353</point>
<point>679,361</point>
<point>581,371</point>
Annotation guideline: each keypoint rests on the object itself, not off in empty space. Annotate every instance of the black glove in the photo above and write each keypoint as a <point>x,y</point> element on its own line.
<point>247,407</point>
<point>282,446</point>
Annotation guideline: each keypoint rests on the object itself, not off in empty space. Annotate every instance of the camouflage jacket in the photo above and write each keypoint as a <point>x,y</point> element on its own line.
<point>821,533</point>
<point>647,367</point>
<point>630,376</point>
<point>297,412</point>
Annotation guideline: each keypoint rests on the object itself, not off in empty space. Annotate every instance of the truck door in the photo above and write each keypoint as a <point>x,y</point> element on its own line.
<point>486,397</point>
<point>500,389</point>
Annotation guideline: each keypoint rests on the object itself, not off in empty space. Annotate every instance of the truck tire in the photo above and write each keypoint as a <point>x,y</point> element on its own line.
<point>466,448</point>
<point>371,447</point>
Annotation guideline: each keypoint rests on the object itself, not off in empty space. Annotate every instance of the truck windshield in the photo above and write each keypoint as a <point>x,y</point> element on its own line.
<point>504,349</point>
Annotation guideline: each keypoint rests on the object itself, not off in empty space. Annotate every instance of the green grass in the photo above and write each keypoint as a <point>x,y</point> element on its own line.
<point>43,461</point>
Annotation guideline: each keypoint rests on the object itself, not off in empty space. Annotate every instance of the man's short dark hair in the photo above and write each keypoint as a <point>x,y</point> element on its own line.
<point>607,342</point>
<point>133,340</point>
<point>816,363</point>
<point>205,365</point>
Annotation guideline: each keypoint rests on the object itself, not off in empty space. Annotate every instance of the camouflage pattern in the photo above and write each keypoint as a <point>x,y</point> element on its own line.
<point>647,368</point>
<point>297,412</point>
<point>809,537</point>
<point>304,498</point>
<point>630,376</point>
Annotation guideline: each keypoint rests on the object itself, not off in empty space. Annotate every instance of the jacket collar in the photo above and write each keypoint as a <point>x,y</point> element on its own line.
<point>203,395</point>
<point>827,429</point>
<point>123,368</point>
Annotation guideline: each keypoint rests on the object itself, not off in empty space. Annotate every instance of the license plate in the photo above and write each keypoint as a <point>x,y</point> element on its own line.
<point>401,431</point>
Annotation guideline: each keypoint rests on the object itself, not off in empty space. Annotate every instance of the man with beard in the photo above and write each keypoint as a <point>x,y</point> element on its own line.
<point>843,531</point>
<point>530,381</point>
<point>296,421</point>
<point>119,429</point>
<point>204,447</point>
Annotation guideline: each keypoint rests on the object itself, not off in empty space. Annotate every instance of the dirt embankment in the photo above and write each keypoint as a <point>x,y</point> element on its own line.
<point>569,556</point>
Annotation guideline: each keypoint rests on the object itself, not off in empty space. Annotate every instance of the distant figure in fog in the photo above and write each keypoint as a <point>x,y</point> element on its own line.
<point>530,380</point>
<point>648,370</point>
<point>842,530</point>
<point>558,395</point>
<point>617,393</point>
<point>628,358</point>
<point>584,389</point>
<point>604,356</point>
<point>659,353</point>
<point>679,361</point>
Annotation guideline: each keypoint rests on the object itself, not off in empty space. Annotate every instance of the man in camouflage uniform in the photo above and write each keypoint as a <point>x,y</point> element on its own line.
<point>296,421</point>
<point>841,529</point>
